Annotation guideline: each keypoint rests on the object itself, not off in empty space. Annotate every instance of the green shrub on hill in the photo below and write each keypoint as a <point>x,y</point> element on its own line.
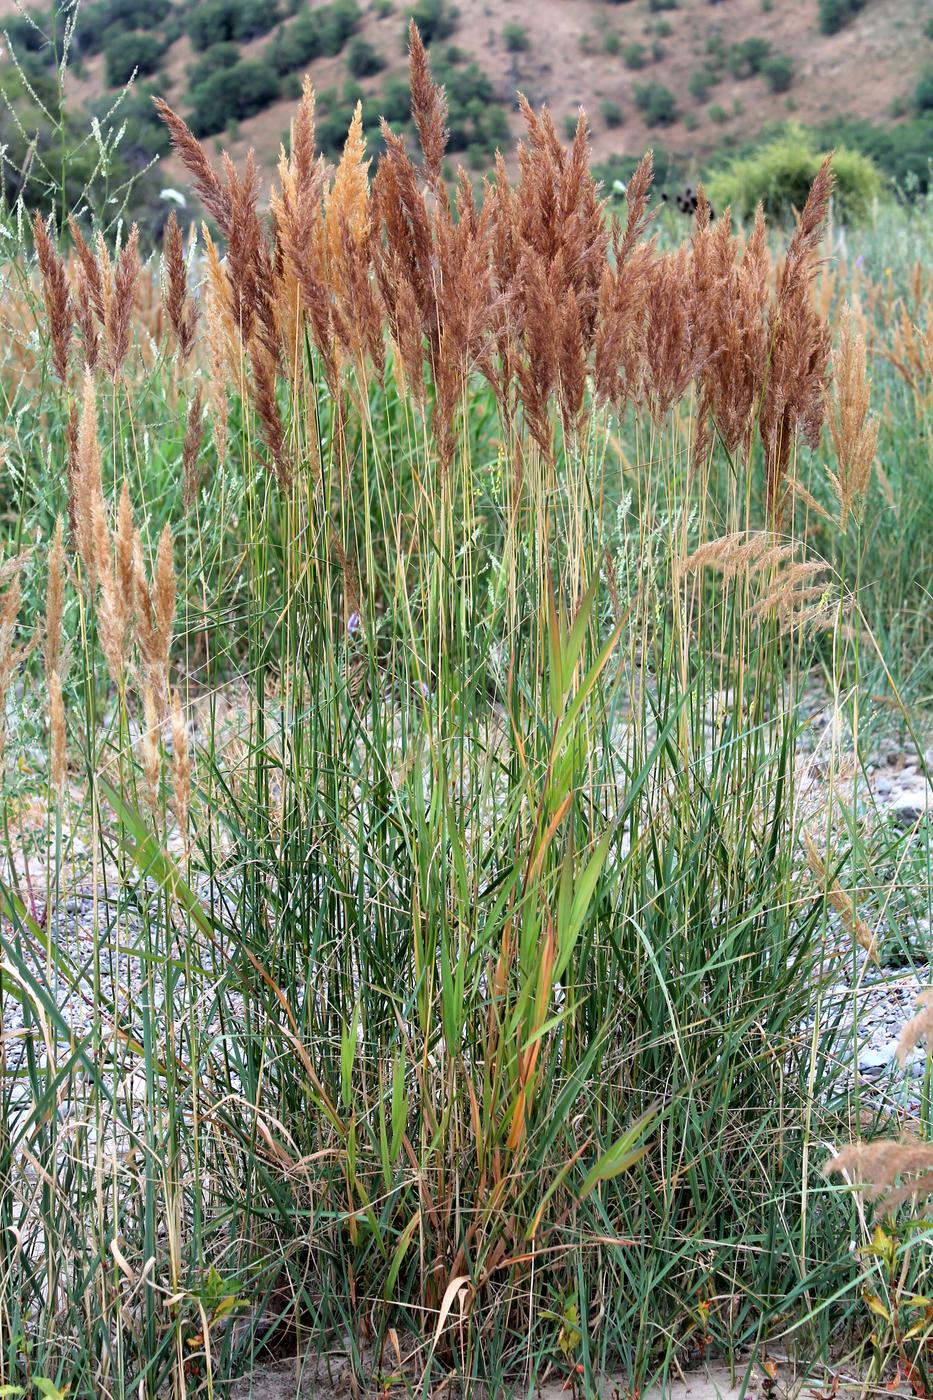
<point>436,19</point>
<point>836,14</point>
<point>313,34</point>
<point>219,21</point>
<point>232,94</point>
<point>747,58</point>
<point>131,52</point>
<point>657,103</point>
<point>102,20</point>
<point>779,71</point>
<point>779,175</point>
<point>363,60</point>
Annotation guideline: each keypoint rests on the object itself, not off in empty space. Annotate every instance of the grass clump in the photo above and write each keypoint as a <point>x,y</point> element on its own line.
<point>416,650</point>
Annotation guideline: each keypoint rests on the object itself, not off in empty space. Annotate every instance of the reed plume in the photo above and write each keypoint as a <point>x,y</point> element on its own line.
<point>853,428</point>
<point>798,348</point>
<point>119,305</point>
<point>918,1028</point>
<point>58,304</point>
<point>888,1173</point>
<point>840,901</point>
<point>181,311</point>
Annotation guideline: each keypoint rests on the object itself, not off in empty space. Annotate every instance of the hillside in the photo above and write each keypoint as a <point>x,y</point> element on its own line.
<point>691,76</point>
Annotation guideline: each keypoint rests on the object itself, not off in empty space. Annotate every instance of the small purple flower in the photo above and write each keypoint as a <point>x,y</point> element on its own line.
<point>425,691</point>
<point>860,260</point>
<point>354,622</point>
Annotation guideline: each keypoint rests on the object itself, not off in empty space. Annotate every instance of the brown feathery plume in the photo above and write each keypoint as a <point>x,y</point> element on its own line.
<point>346,204</point>
<point>731,296</point>
<point>58,304</point>
<point>155,610</point>
<point>919,1027</point>
<point>406,249</point>
<point>800,597</point>
<point>89,503</point>
<point>737,554</point>
<point>623,297</point>
<point>119,307</point>
<point>297,212</point>
<point>194,437</point>
<point>841,902</point>
<point>116,604</point>
<point>346,248</point>
<point>90,270</point>
<point>213,196</point>
<point>220,355</point>
<point>889,1173</point>
<point>428,107</point>
<point>179,307</point>
<point>266,405</point>
<point>853,428</point>
<point>181,767</point>
<point>87,325</point>
<point>89,303</point>
<point>672,356</point>
<point>538,368</point>
<point>799,346</point>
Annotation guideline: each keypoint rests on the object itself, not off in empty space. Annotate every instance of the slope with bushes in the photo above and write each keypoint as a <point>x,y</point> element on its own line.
<point>693,77</point>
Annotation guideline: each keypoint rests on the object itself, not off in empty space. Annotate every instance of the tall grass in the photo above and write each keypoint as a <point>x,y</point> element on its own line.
<point>419,957</point>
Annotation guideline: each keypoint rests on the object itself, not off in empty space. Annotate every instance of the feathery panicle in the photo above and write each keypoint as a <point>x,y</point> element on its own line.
<point>119,309</point>
<point>90,271</point>
<point>918,1028</point>
<point>266,405</point>
<point>220,354</point>
<point>155,611</point>
<point>672,354</point>
<point>181,310</point>
<point>887,1172</point>
<point>116,604</point>
<point>213,196</point>
<point>346,205</point>
<point>840,901</point>
<point>853,428</point>
<point>89,301</point>
<point>798,352</point>
<point>89,507</point>
<point>428,107</point>
<point>58,304</point>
